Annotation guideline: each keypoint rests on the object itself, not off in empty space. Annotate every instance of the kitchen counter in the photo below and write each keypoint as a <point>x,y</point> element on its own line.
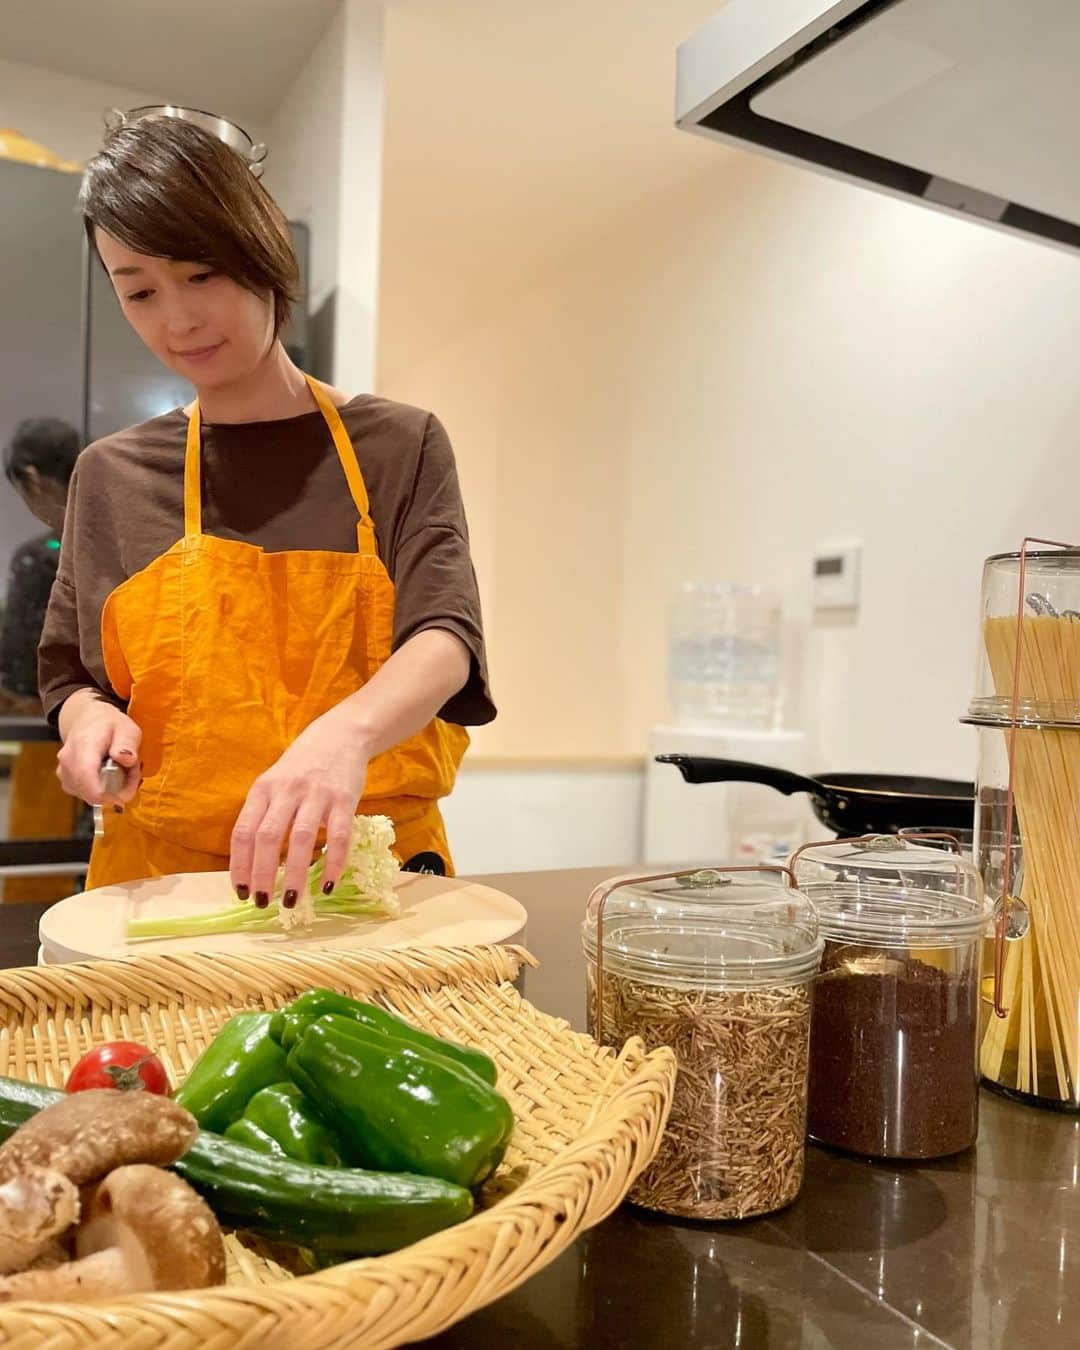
<point>15,730</point>
<point>976,1252</point>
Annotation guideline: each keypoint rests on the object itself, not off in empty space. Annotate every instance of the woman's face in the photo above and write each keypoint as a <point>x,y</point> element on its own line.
<point>198,322</point>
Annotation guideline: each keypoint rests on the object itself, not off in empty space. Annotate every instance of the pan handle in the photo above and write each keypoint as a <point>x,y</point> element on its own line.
<point>706,769</point>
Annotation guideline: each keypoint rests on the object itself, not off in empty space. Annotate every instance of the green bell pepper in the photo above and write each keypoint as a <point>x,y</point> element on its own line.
<point>285,1115</point>
<point>241,1059</point>
<point>399,1108</point>
<point>244,1131</point>
<point>289,1022</point>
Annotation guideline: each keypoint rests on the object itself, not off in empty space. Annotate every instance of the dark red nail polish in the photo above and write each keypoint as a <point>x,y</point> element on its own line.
<point>289,899</point>
<point>262,899</point>
<point>243,892</point>
<point>328,889</point>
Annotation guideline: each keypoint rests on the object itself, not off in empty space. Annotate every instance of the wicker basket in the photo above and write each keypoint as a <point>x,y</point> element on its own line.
<point>588,1121</point>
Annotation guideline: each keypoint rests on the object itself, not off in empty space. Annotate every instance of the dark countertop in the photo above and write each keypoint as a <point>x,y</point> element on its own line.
<point>976,1252</point>
<point>21,729</point>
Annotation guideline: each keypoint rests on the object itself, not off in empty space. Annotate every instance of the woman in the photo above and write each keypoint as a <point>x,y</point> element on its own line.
<point>265,610</point>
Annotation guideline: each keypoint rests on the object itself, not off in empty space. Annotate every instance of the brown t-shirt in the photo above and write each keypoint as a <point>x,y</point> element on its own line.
<point>278,485</point>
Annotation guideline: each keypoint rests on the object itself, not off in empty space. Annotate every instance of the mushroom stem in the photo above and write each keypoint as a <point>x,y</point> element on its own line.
<point>105,1274</point>
<point>167,1235</point>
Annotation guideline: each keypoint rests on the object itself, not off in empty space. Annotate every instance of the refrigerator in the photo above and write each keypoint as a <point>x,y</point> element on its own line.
<point>41,319</point>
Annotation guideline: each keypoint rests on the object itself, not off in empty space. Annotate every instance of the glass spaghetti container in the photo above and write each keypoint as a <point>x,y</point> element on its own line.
<point>715,964</point>
<point>1027,711</point>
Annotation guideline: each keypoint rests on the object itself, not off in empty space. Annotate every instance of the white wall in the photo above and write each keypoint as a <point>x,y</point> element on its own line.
<point>361,198</point>
<point>324,168</point>
<point>531,817</point>
<point>759,362</point>
<point>303,172</point>
<point>828,363</point>
<point>62,112</point>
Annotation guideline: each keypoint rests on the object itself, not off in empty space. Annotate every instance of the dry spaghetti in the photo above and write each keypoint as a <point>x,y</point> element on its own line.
<point>1036,1047</point>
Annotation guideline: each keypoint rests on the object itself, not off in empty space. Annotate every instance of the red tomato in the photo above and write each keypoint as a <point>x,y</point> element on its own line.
<point>120,1064</point>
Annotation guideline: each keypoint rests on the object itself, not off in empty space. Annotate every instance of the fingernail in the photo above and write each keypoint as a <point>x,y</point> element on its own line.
<point>328,889</point>
<point>289,899</point>
<point>243,892</point>
<point>262,899</point>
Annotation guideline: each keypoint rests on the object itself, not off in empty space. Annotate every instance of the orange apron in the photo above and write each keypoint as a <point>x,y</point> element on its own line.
<point>225,653</point>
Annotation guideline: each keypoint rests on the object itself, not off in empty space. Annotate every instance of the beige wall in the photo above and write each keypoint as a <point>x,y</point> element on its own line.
<point>760,362</point>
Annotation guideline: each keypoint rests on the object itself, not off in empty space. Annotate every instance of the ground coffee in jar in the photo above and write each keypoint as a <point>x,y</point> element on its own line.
<point>893,1067</point>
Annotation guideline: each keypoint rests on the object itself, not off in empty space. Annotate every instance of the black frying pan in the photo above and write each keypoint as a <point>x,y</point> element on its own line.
<point>849,803</point>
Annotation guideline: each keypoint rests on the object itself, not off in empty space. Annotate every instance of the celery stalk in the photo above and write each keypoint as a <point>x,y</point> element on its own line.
<point>364,890</point>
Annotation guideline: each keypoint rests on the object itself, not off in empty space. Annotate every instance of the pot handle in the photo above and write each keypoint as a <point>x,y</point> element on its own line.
<point>706,769</point>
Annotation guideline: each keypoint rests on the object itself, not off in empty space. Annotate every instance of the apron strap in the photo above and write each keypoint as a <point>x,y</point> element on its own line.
<point>193,474</point>
<point>365,527</point>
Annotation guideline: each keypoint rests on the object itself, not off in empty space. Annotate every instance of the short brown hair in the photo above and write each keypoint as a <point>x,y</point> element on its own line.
<point>170,189</point>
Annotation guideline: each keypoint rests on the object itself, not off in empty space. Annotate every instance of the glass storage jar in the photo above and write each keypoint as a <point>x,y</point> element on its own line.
<point>895,1008</point>
<point>1033,1049</point>
<point>715,964</point>
<point>1027,711</point>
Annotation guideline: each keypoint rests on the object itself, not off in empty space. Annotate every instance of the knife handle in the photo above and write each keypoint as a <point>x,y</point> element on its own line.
<point>112,780</point>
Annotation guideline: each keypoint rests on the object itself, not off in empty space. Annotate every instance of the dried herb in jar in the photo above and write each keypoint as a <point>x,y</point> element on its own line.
<point>892,1056</point>
<point>735,1139</point>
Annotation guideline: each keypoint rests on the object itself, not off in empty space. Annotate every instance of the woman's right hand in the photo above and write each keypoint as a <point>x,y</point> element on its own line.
<point>94,729</point>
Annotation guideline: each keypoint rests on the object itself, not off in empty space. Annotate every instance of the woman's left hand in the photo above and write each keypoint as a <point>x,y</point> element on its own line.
<point>316,784</point>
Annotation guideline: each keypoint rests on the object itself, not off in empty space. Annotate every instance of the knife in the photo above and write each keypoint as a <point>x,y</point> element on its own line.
<point>112,780</point>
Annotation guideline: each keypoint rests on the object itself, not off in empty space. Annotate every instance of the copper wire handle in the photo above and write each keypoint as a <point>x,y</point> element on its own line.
<point>932,836</point>
<point>608,888</point>
<point>1010,805</point>
<point>841,843</point>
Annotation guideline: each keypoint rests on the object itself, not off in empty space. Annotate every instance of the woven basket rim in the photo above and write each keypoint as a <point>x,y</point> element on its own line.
<point>436,967</point>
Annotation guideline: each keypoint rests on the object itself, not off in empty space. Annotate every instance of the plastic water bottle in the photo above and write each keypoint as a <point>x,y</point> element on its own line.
<point>724,656</point>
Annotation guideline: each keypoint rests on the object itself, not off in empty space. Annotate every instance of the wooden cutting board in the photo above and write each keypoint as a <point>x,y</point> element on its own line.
<point>435,911</point>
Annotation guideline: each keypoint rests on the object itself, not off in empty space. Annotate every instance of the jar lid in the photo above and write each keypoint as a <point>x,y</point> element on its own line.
<point>710,929</point>
<point>1039,714</point>
<point>892,891</point>
<point>1029,648</point>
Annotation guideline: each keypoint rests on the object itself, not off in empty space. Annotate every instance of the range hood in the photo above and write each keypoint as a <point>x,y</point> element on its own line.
<point>968,106</point>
